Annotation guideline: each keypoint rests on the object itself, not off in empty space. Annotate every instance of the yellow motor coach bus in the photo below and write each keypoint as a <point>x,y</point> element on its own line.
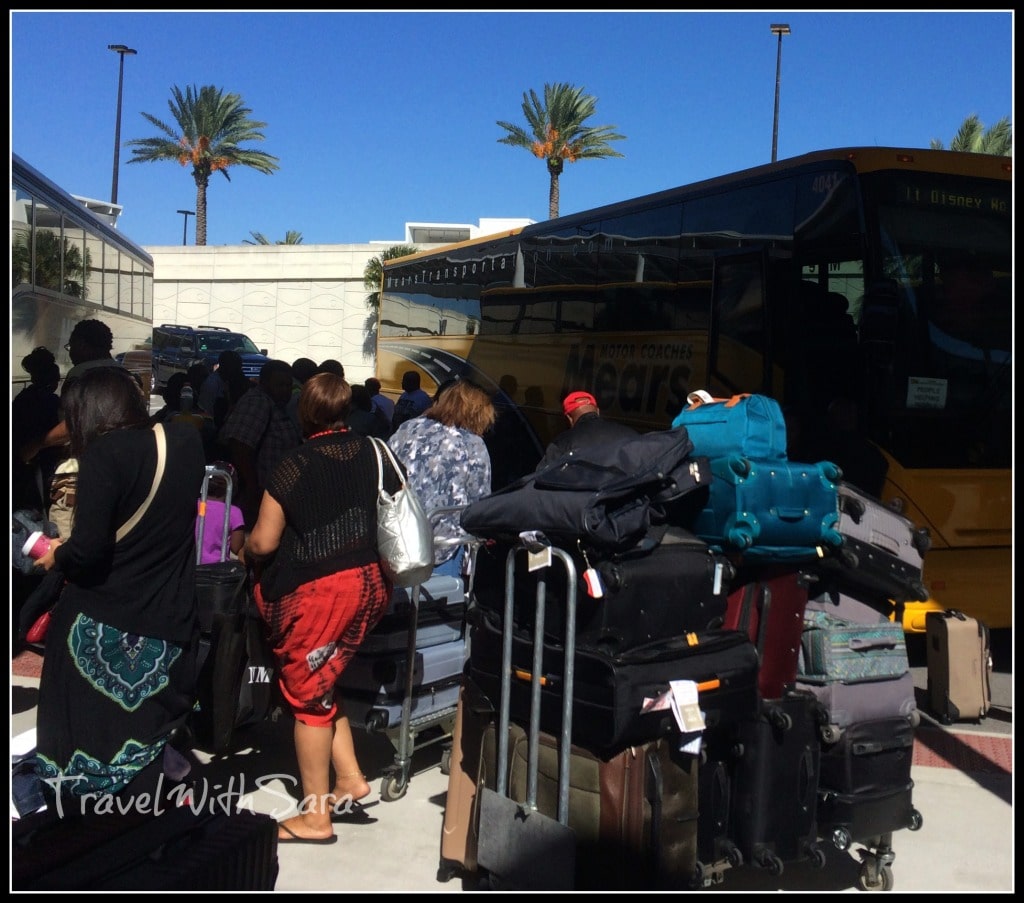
<point>877,275</point>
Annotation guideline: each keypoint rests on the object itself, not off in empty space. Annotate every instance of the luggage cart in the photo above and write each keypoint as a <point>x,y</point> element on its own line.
<point>406,734</point>
<point>519,847</point>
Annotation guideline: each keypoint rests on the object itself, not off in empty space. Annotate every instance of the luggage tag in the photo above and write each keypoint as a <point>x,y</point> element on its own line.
<point>591,578</point>
<point>538,550</point>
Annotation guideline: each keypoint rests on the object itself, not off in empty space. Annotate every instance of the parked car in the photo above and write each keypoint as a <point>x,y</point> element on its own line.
<point>139,360</point>
<point>176,348</point>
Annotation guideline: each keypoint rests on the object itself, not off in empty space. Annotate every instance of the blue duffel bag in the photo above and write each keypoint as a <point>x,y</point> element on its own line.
<point>771,510</point>
<point>748,425</point>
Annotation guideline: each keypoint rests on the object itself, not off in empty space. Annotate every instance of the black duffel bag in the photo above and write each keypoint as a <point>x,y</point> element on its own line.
<point>606,496</point>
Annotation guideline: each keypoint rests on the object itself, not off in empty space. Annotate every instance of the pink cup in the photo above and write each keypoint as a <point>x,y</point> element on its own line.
<point>37,545</point>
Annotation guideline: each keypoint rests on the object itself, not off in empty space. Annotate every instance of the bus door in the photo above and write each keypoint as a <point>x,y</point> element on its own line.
<point>739,358</point>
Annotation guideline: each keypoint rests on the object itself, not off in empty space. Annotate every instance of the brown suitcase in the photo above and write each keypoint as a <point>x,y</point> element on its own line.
<point>959,665</point>
<point>634,815</point>
<point>459,829</point>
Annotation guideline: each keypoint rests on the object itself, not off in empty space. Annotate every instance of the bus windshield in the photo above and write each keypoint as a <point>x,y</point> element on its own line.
<point>945,247</point>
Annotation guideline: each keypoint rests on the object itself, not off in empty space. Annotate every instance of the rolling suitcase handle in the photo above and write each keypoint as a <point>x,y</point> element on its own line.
<point>516,838</point>
<point>215,470</point>
<point>535,685</point>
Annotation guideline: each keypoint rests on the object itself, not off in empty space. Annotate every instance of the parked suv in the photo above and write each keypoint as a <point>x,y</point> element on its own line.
<point>176,348</point>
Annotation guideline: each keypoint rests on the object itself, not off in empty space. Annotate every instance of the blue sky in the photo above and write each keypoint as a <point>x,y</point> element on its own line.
<point>379,118</point>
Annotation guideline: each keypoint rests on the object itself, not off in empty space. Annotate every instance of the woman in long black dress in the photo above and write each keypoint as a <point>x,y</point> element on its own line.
<point>120,659</point>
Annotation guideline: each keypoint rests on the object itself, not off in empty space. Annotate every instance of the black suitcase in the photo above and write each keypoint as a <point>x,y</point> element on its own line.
<point>848,818</point>
<point>648,593</point>
<point>614,696</point>
<point>775,789</point>
<point>869,756</point>
<point>182,848</point>
<point>716,849</point>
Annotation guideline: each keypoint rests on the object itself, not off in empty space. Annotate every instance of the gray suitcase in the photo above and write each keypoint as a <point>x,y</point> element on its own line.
<point>377,714</point>
<point>384,675</point>
<point>882,551</point>
<point>849,608</point>
<point>440,619</point>
<point>959,665</point>
<point>855,663</point>
<point>869,700</point>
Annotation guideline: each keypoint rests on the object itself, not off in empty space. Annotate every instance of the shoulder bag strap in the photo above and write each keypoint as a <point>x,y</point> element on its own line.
<point>395,466</point>
<point>161,458</point>
<point>380,463</point>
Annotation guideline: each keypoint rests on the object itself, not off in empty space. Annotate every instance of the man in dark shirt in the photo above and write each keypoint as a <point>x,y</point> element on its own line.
<point>586,427</point>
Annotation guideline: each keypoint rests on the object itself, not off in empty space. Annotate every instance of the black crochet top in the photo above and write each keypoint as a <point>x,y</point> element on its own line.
<point>328,490</point>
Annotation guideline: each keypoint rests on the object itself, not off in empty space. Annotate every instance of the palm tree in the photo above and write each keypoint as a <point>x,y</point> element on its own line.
<point>974,137</point>
<point>373,272</point>
<point>373,279</point>
<point>557,133</point>
<point>211,126</point>
<point>291,237</point>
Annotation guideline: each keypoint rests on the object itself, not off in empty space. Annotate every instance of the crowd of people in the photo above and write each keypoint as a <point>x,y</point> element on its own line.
<point>297,445</point>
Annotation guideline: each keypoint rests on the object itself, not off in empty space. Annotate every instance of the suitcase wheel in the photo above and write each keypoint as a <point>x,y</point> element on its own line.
<point>831,472</point>
<point>848,558</point>
<point>769,862</point>
<point>916,820</point>
<point>922,540</point>
<point>739,466</point>
<point>816,855</point>
<point>447,870</point>
<point>779,719</point>
<point>830,733</point>
<point>875,876</point>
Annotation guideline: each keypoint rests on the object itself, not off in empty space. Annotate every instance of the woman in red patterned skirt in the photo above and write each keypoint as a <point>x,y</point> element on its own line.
<point>321,590</point>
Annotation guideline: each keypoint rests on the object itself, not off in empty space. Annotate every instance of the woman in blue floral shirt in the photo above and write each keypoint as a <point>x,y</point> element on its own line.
<point>447,462</point>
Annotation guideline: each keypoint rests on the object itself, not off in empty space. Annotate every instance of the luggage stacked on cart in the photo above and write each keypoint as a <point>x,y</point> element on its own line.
<point>404,680</point>
<point>854,661</point>
<point>574,649</point>
<point>374,682</point>
<point>592,744</point>
<point>834,675</point>
<point>655,641</point>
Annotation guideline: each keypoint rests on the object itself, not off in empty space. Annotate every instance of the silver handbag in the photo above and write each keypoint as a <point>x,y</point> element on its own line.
<point>405,539</point>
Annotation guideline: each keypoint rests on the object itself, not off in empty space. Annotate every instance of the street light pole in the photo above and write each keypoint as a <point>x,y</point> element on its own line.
<point>780,30</point>
<point>184,228</point>
<point>121,50</point>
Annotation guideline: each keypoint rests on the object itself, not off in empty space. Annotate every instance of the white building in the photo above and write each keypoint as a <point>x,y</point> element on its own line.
<point>293,300</point>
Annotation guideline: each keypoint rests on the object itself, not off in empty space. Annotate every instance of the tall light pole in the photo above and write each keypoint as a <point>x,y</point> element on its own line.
<point>184,228</point>
<point>780,30</point>
<point>121,50</point>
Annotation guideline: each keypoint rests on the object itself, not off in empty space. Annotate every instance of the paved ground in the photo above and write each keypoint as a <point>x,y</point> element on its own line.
<point>963,789</point>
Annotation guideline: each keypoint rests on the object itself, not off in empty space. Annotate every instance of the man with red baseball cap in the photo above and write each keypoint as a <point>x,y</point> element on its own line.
<point>586,427</point>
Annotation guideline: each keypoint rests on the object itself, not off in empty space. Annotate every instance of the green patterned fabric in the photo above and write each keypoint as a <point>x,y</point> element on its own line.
<point>837,650</point>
